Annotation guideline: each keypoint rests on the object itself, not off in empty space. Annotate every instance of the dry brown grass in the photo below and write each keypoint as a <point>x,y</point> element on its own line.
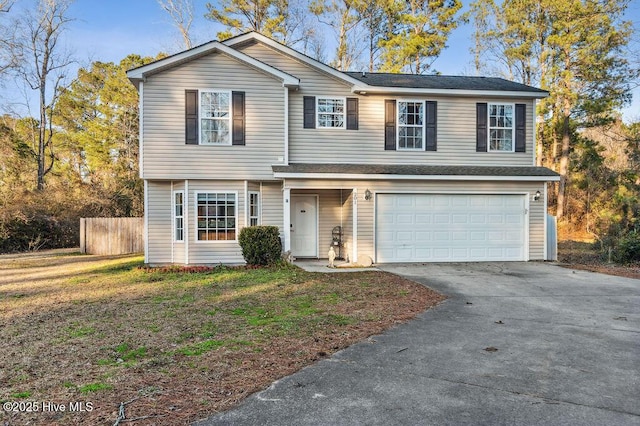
<point>178,346</point>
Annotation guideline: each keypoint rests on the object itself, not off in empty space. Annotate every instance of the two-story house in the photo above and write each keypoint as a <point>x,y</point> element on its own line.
<point>412,168</point>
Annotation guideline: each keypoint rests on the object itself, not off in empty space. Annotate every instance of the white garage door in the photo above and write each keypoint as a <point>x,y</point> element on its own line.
<point>450,227</point>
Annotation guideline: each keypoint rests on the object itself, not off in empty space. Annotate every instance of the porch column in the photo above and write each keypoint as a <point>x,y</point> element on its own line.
<point>286,214</point>
<point>354,238</point>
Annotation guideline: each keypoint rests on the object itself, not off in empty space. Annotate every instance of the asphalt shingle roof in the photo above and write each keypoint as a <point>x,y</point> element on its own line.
<point>415,170</point>
<point>441,82</point>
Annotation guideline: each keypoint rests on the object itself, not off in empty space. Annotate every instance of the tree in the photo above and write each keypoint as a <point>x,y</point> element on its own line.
<point>98,121</point>
<point>181,13</point>
<point>342,16</point>
<point>42,69</point>
<point>8,59</point>
<point>574,49</point>
<point>588,75</point>
<point>371,15</point>
<point>417,32</point>
<point>238,16</point>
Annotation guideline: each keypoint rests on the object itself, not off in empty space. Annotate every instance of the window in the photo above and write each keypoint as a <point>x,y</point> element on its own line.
<point>331,113</point>
<point>411,125</point>
<point>501,127</point>
<point>215,117</point>
<point>178,216</point>
<point>254,208</point>
<point>216,216</point>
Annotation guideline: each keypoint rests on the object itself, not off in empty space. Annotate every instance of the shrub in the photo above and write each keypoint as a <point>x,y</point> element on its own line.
<point>260,245</point>
<point>628,248</point>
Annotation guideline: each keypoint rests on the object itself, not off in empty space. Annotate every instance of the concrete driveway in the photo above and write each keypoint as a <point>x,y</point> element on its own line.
<point>568,352</point>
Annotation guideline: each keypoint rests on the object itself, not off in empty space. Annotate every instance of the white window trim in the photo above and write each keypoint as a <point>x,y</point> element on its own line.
<point>174,216</point>
<point>344,103</point>
<point>424,124</point>
<point>195,218</point>
<point>229,117</point>
<point>258,208</point>
<point>513,127</point>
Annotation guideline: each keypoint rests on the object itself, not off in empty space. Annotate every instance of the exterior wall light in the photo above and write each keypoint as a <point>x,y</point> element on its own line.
<point>536,196</point>
<point>367,195</point>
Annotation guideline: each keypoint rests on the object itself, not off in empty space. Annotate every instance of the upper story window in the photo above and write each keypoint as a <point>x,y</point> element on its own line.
<point>215,117</point>
<point>411,125</point>
<point>330,113</point>
<point>501,127</point>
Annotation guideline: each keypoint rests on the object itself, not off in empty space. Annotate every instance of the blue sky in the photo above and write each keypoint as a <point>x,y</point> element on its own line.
<point>110,30</point>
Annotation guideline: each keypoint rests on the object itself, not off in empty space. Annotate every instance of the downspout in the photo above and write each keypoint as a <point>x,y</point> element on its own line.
<point>186,222</point>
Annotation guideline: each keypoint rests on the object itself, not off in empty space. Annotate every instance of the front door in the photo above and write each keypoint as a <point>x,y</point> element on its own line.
<point>304,226</point>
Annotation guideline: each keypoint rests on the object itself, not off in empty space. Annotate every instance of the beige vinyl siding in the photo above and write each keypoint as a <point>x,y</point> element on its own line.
<point>456,124</point>
<point>347,223</point>
<point>272,203</point>
<point>166,156</point>
<point>214,252</point>
<point>159,222</point>
<point>366,214</point>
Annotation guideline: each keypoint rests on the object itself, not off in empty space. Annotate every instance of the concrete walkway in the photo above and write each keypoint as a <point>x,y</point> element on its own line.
<point>515,344</point>
<point>322,265</point>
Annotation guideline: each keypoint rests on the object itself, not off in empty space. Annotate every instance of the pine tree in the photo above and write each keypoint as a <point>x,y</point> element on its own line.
<point>417,31</point>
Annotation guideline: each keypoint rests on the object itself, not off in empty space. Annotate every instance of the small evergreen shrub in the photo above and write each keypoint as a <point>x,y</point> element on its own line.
<point>260,245</point>
<point>628,248</point>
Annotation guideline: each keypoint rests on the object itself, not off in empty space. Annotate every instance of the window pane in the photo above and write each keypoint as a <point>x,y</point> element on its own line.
<point>214,104</point>
<point>216,216</point>
<point>330,113</point>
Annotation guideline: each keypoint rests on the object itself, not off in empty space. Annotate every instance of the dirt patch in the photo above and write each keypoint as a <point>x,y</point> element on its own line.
<point>586,256</point>
<point>174,347</point>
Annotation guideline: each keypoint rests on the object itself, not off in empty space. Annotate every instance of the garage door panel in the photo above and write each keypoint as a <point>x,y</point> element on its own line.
<point>449,227</point>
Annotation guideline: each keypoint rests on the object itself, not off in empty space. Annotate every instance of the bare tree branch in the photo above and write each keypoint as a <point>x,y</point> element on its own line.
<point>181,12</point>
<point>42,69</point>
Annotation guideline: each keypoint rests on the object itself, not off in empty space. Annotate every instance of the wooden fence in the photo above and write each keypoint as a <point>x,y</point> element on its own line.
<point>111,235</point>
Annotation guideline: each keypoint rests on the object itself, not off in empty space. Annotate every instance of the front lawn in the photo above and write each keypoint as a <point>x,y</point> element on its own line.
<point>89,333</point>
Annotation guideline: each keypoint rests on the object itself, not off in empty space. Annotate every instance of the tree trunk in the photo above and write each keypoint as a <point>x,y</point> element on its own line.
<point>539,140</point>
<point>564,163</point>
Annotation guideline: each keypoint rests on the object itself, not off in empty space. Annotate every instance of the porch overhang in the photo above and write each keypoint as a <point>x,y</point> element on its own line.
<point>414,172</point>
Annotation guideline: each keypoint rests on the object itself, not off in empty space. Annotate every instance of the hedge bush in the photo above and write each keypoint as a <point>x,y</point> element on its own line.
<point>628,248</point>
<point>35,232</point>
<point>260,245</point>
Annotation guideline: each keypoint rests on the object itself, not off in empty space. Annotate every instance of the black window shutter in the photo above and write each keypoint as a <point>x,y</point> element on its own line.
<point>431,122</point>
<point>521,127</point>
<point>352,113</point>
<point>309,112</point>
<point>238,130</point>
<point>481,127</point>
<point>191,116</point>
<point>390,124</point>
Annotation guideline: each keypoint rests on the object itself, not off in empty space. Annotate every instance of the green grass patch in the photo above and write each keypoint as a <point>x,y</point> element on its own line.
<point>94,387</point>
<point>128,354</point>
<point>21,395</point>
<point>201,347</point>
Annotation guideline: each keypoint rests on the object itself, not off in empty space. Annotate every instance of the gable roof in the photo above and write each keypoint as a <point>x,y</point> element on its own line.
<point>136,75</point>
<point>255,36</point>
<point>441,82</point>
<point>362,83</point>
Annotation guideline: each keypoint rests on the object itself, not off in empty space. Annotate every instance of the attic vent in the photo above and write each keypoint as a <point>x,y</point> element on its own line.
<point>364,74</point>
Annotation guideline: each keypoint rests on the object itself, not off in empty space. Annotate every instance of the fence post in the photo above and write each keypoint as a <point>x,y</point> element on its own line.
<point>83,244</point>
